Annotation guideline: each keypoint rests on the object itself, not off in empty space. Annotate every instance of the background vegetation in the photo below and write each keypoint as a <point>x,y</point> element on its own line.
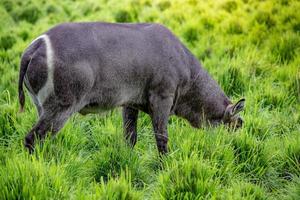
<point>251,47</point>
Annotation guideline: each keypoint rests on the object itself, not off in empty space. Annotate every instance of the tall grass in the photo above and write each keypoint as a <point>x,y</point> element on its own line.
<point>250,47</point>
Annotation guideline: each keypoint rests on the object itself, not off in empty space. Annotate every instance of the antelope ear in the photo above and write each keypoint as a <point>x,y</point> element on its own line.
<point>238,107</point>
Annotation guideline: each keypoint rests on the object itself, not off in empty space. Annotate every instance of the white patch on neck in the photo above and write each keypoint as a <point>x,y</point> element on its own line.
<point>48,87</point>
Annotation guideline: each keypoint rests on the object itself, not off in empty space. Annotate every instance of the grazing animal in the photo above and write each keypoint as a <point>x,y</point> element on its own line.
<point>93,67</point>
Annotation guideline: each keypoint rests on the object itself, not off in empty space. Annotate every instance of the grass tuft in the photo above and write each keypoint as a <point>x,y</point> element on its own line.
<point>291,159</point>
<point>163,5</point>
<point>284,48</point>
<point>244,190</point>
<point>296,27</point>
<point>233,81</point>
<point>117,188</point>
<point>27,179</point>
<point>7,41</point>
<point>30,14</point>
<point>191,34</point>
<point>190,179</point>
<point>251,157</point>
<point>123,16</point>
<point>235,28</point>
<point>265,18</point>
<point>294,87</point>
<point>230,6</point>
<point>111,160</point>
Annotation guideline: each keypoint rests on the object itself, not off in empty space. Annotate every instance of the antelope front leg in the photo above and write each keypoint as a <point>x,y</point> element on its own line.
<point>160,111</point>
<point>130,116</point>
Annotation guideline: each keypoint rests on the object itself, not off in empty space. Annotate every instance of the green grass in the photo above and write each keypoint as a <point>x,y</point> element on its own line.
<point>252,48</point>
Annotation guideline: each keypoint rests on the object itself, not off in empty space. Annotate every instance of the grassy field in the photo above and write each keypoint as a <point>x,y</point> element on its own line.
<point>252,48</point>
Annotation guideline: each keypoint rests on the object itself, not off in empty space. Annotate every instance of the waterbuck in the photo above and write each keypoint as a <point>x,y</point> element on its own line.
<point>93,67</point>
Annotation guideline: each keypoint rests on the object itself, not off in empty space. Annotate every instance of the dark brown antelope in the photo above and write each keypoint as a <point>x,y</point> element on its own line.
<point>93,67</point>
